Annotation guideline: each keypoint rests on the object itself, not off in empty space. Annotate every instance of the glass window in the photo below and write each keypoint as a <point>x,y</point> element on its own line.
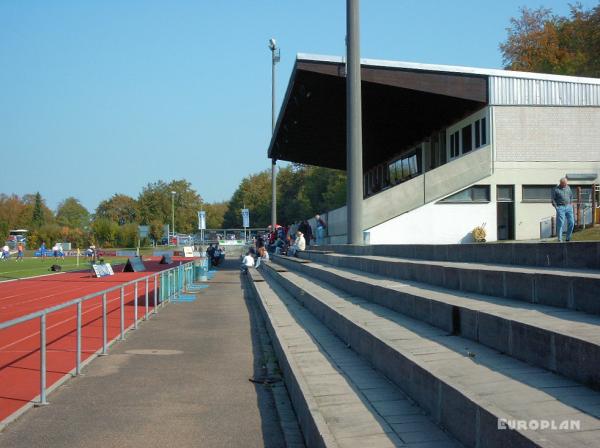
<point>476,193</point>
<point>483,132</point>
<point>537,193</point>
<point>405,169</point>
<point>413,166</point>
<point>477,134</point>
<point>467,139</point>
<point>505,193</point>
<point>454,148</point>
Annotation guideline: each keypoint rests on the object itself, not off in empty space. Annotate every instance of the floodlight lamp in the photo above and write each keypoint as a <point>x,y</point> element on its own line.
<point>272,44</point>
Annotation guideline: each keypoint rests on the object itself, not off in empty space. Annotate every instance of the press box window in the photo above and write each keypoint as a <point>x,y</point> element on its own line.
<point>480,133</point>
<point>476,193</point>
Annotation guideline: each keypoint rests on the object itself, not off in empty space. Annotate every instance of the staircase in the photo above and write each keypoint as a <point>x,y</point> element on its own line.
<point>414,346</point>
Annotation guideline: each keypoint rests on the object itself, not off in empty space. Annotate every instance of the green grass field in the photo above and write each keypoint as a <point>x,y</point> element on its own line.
<point>29,267</point>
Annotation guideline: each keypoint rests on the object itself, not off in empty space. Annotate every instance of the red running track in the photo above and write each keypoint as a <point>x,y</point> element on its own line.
<point>20,344</point>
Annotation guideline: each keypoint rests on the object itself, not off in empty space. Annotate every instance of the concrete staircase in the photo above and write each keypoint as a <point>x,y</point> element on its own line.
<point>368,339</point>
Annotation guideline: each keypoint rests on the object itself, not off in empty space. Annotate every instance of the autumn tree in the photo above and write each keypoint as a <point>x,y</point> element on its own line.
<point>540,41</point>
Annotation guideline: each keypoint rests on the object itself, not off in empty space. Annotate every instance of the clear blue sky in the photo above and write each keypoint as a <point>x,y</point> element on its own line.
<point>104,96</point>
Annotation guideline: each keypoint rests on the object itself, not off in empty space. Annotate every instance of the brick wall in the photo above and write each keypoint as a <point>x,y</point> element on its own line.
<point>540,134</point>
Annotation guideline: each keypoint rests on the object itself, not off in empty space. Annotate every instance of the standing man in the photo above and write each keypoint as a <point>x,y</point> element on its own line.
<point>562,200</point>
<point>321,226</point>
<point>43,251</point>
<point>20,249</point>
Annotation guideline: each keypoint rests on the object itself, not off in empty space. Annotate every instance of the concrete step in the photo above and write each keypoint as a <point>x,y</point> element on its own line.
<point>564,288</point>
<point>562,341</point>
<point>575,255</point>
<point>468,388</point>
<point>340,400</point>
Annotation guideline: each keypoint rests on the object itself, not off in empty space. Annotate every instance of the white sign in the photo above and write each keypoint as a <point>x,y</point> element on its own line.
<point>245,217</point>
<point>103,270</point>
<point>188,251</point>
<point>201,220</point>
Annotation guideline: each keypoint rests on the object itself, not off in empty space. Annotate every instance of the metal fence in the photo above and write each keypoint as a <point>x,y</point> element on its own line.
<point>171,282</point>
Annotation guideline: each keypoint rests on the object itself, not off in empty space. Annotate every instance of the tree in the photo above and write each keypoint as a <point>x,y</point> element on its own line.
<point>155,204</point>
<point>540,41</point>
<point>105,231</point>
<point>255,193</point>
<point>71,213</point>
<point>156,230</point>
<point>127,235</point>
<point>120,208</point>
<point>37,217</point>
<point>215,214</point>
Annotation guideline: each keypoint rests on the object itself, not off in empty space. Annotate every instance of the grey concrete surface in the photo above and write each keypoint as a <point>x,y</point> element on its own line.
<point>180,380</point>
<point>575,255</point>
<point>563,341</point>
<point>350,404</point>
<point>563,288</point>
<point>464,385</point>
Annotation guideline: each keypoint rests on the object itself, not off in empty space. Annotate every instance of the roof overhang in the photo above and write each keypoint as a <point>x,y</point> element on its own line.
<point>401,106</point>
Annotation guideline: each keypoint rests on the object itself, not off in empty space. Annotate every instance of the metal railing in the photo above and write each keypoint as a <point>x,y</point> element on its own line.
<point>171,281</point>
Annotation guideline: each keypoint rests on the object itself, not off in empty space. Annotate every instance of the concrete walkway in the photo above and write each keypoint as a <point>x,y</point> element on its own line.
<point>180,380</point>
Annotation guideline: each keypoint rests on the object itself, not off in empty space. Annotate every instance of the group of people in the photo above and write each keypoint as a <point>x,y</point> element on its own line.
<point>57,251</point>
<point>288,240</point>
<point>216,254</point>
<point>5,252</point>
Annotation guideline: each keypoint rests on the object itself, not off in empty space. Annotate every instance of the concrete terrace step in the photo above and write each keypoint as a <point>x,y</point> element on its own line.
<point>339,399</point>
<point>565,288</point>
<point>576,255</point>
<point>562,341</point>
<point>465,386</point>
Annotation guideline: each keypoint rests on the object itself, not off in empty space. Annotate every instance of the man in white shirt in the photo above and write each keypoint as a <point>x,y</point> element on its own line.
<point>299,244</point>
<point>247,262</point>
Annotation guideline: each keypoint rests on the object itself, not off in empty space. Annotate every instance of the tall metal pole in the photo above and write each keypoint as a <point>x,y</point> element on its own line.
<point>354,168</point>
<point>172,214</point>
<point>275,57</point>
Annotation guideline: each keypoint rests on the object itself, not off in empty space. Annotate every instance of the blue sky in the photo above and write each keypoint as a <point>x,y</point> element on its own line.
<point>104,96</point>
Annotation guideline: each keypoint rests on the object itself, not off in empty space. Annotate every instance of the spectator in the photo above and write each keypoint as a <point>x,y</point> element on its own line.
<point>321,226</point>
<point>562,200</point>
<point>247,262</point>
<point>263,256</point>
<point>306,231</point>
<point>299,244</point>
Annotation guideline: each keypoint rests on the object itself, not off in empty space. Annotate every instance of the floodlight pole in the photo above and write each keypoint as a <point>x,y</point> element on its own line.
<point>173,213</point>
<point>354,168</point>
<point>275,57</point>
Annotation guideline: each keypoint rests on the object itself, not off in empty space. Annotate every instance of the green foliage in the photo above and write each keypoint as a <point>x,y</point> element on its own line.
<point>540,41</point>
<point>71,213</point>
<point>255,192</point>
<point>105,232</point>
<point>37,217</point>
<point>4,228</point>
<point>154,203</point>
<point>156,230</point>
<point>302,191</point>
<point>127,235</point>
<point>120,208</point>
<point>215,214</point>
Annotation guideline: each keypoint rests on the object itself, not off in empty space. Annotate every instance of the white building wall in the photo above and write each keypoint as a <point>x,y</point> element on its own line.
<point>437,223</point>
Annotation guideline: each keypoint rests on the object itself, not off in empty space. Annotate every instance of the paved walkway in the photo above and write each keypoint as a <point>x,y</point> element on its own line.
<point>180,380</point>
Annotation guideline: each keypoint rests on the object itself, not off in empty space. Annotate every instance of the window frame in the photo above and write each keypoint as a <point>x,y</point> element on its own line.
<point>448,200</point>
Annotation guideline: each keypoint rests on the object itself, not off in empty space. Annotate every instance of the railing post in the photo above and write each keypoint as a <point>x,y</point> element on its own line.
<point>135,306</point>
<point>104,323</point>
<point>78,355</point>
<point>42,401</point>
<point>146,300</point>
<point>155,292</point>
<point>122,312</point>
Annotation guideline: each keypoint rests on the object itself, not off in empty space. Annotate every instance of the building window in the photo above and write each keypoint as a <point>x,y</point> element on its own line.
<point>403,169</point>
<point>505,193</point>
<point>537,193</point>
<point>476,193</point>
<point>454,148</point>
<point>480,133</point>
<point>467,139</point>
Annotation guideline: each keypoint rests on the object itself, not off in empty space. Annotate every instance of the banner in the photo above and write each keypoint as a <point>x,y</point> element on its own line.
<point>245,217</point>
<point>201,220</point>
<point>103,270</point>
